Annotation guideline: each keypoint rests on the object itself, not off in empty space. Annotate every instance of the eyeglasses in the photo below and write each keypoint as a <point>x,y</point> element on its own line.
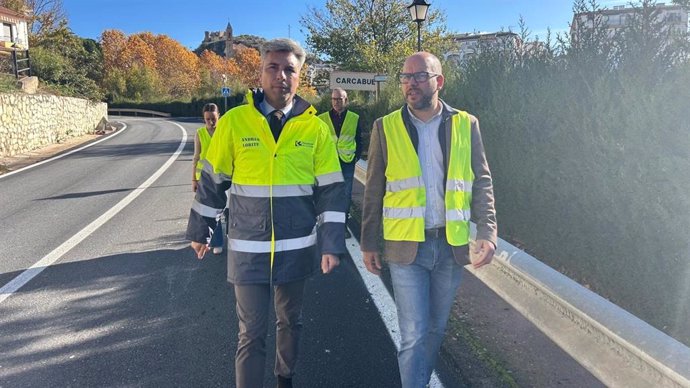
<point>420,76</point>
<point>338,99</point>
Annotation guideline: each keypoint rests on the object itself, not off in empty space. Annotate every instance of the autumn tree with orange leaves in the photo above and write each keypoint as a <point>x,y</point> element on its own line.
<point>148,67</point>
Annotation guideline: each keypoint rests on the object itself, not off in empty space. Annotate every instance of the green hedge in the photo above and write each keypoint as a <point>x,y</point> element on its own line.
<point>182,108</point>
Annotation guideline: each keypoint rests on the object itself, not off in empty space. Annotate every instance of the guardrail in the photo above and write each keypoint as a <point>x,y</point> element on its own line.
<point>618,348</point>
<point>138,112</point>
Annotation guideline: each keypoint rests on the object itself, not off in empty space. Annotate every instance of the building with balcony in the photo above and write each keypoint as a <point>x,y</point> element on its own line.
<point>471,44</point>
<point>673,19</point>
<point>14,32</point>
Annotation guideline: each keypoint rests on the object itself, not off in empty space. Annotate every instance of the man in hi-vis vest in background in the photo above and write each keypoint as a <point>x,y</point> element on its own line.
<point>427,175</point>
<point>279,163</point>
<point>347,135</point>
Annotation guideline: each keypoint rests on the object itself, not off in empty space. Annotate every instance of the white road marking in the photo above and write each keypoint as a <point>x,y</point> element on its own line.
<point>15,284</point>
<point>65,154</point>
<point>382,299</point>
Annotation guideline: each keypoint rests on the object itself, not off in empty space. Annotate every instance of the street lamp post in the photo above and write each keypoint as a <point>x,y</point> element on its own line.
<point>418,10</point>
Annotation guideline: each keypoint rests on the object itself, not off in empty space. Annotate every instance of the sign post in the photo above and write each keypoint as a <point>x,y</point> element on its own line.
<point>225,92</point>
<point>378,79</point>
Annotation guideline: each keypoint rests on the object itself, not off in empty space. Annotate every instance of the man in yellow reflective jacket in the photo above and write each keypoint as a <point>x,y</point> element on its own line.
<point>427,175</point>
<point>280,165</point>
<point>347,133</point>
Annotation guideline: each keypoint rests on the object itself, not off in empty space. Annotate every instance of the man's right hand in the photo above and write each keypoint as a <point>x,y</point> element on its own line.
<point>200,249</point>
<point>372,261</point>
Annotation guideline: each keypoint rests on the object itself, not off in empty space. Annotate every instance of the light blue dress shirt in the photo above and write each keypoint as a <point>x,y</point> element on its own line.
<point>431,160</point>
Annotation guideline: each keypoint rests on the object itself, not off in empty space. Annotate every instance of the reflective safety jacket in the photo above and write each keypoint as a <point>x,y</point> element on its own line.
<point>204,141</point>
<point>405,199</point>
<point>346,142</point>
<point>280,193</point>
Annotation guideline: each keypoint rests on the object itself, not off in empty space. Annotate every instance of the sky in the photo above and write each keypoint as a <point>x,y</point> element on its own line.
<point>186,21</point>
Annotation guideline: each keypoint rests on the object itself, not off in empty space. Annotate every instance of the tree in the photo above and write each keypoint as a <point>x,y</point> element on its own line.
<point>129,67</point>
<point>370,35</point>
<point>44,16</point>
<point>247,62</point>
<point>305,89</point>
<point>177,67</point>
<point>161,66</point>
<point>212,68</point>
<point>70,64</point>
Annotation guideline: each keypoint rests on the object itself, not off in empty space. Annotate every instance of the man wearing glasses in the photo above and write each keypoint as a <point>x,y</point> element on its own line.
<point>347,134</point>
<point>427,175</point>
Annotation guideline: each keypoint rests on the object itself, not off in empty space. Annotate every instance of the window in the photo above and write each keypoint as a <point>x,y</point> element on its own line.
<point>6,33</point>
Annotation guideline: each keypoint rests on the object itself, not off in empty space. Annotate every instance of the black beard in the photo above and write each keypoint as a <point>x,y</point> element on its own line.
<point>422,104</point>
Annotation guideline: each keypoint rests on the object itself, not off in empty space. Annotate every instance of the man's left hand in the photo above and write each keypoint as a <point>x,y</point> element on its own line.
<point>329,262</point>
<point>483,253</point>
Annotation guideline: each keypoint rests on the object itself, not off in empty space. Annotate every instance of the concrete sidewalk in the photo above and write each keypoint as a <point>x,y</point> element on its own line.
<point>490,344</point>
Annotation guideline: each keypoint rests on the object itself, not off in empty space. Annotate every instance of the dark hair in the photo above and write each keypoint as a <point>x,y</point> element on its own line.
<point>210,107</point>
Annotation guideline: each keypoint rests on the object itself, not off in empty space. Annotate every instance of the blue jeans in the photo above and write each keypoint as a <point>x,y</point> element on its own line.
<point>348,170</point>
<point>424,294</point>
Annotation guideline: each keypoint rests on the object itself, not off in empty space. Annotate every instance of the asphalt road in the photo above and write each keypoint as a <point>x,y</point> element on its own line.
<point>125,303</point>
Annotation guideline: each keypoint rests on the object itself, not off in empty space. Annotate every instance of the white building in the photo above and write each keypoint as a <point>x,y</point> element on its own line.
<point>318,74</point>
<point>469,45</point>
<point>673,17</point>
<point>14,33</point>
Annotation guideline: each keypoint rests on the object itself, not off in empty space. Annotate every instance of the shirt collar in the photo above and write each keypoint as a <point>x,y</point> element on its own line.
<point>266,108</point>
<point>339,114</point>
<point>417,120</point>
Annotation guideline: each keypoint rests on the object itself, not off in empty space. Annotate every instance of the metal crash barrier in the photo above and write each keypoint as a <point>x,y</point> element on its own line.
<point>618,348</point>
<point>138,112</point>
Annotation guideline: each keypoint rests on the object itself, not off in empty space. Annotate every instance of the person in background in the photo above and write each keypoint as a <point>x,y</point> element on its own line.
<point>347,133</point>
<point>202,139</point>
<point>286,209</point>
<point>427,175</point>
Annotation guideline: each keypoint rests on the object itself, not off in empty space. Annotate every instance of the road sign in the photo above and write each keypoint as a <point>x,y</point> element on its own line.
<point>225,91</point>
<point>380,78</point>
<point>353,81</point>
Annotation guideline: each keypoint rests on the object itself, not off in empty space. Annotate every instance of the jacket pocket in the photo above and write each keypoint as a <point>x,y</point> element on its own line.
<point>252,222</point>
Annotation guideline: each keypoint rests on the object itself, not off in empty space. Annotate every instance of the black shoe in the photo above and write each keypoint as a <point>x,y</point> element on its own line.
<point>284,382</point>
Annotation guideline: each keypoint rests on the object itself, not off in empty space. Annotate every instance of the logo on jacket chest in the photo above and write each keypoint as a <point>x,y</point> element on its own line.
<point>248,142</point>
<point>302,143</point>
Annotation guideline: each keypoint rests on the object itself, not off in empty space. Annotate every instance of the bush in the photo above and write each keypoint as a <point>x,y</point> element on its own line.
<point>589,152</point>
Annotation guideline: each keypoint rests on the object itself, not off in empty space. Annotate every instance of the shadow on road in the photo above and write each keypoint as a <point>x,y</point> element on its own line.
<point>162,318</point>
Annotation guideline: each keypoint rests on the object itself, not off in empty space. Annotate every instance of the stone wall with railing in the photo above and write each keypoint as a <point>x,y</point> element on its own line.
<point>28,122</point>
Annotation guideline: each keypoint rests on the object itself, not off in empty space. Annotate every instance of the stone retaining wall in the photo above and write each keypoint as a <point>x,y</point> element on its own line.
<point>29,122</point>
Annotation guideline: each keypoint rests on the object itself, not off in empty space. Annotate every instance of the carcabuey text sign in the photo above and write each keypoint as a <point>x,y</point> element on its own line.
<point>353,81</point>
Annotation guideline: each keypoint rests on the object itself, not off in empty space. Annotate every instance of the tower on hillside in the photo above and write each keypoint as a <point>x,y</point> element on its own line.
<point>228,41</point>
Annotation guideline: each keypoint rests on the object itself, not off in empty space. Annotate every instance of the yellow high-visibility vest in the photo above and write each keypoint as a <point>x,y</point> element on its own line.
<point>204,141</point>
<point>264,172</point>
<point>405,200</point>
<point>346,142</point>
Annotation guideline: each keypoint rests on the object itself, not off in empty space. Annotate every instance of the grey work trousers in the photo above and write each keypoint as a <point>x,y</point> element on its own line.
<point>252,311</point>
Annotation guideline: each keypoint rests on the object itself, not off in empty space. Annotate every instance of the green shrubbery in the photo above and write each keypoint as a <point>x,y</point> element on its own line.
<point>589,145</point>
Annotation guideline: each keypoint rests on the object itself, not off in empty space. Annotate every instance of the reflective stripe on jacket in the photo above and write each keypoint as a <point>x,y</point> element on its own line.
<point>346,142</point>
<point>280,193</point>
<point>405,198</point>
<point>204,141</point>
